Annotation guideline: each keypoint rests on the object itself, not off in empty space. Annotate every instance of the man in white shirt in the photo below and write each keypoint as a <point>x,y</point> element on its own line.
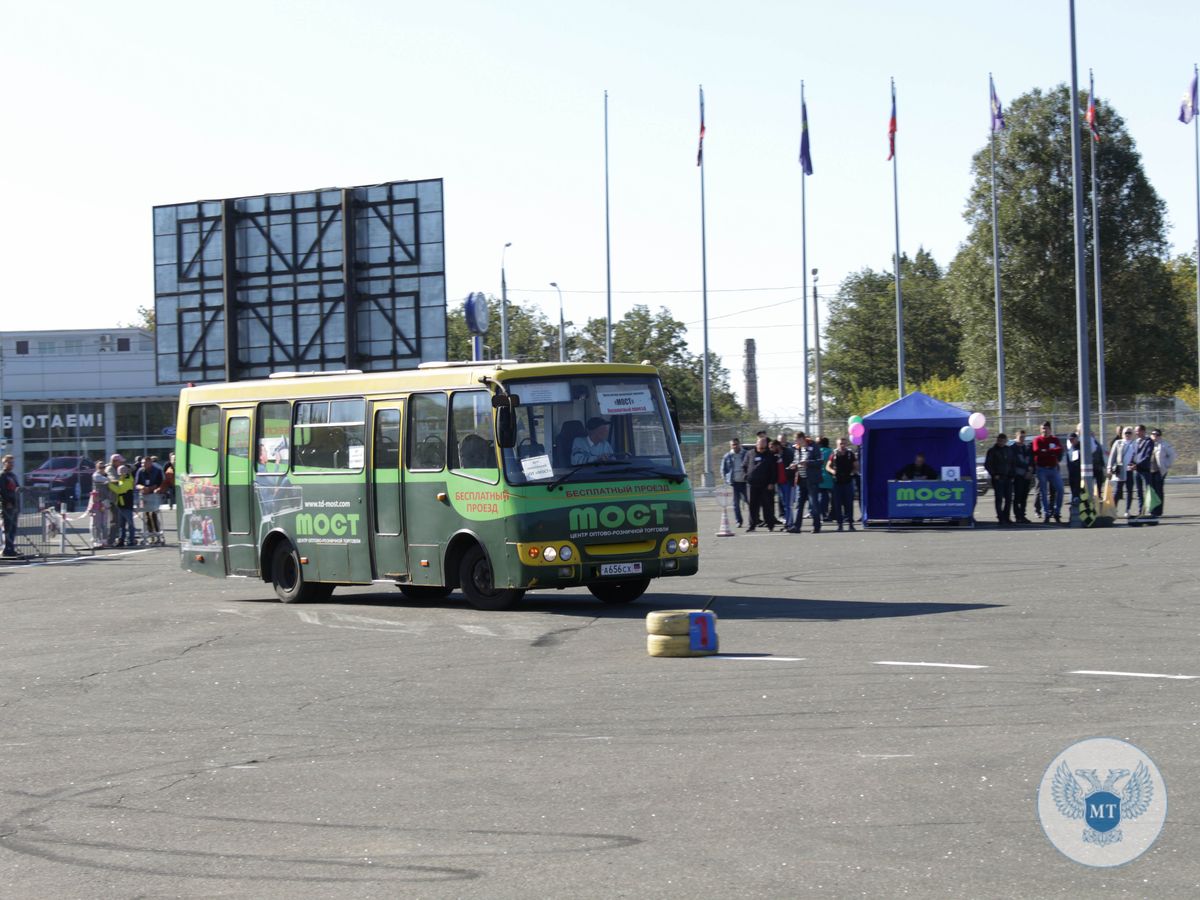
<point>594,446</point>
<point>1160,465</point>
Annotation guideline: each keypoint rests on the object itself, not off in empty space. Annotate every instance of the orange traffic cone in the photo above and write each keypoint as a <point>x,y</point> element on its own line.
<point>724,530</point>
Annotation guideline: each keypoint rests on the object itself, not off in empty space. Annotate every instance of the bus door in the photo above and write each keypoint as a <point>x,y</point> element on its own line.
<point>428,513</point>
<point>237,495</point>
<point>387,492</point>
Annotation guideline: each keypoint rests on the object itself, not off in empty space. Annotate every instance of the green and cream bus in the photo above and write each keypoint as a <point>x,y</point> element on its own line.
<point>493,478</point>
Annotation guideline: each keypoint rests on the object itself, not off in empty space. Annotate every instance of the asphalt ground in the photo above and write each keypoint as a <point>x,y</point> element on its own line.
<point>167,735</point>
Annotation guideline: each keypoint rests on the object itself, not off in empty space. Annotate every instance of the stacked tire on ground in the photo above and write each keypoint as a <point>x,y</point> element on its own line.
<point>681,632</point>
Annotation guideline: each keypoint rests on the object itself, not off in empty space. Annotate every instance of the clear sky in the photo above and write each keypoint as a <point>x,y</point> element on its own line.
<point>112,108</point>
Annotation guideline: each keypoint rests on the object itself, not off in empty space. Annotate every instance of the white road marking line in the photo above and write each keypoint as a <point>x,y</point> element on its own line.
<point>478,629</point>
<point>890,662</point>
<point>757,658</point>
<point>83,559</point>
<point>358,623</point>
<point>886,755</point>
<point>1134,674</point>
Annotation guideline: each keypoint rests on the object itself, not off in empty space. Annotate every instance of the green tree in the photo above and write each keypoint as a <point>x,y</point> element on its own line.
<point>1183,276</point>
<point>531,335</point>
<point>1144,347</point>
<point>661,339</point>
<point>145,319</point>
<point>860,338</point>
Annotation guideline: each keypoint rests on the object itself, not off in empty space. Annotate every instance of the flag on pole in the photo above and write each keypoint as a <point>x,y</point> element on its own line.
<point>700,152</point>
<point>805,151</point>
<point>1091,110</point>
<point>1187,109</point>
<point>997,110</point>
<point>892,126</point>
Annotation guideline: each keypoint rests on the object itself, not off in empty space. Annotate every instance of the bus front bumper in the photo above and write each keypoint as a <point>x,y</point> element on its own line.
<point>595,572</point>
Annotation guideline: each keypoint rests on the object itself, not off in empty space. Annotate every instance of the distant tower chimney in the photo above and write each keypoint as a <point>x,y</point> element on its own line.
<point>751,373</point>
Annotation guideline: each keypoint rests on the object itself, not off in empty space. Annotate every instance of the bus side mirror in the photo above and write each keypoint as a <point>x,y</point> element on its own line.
<point>506,427</point>
<point>673,411</point>
<point>505,401</point>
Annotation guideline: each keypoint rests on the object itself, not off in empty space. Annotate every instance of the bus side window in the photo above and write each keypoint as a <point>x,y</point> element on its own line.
<point>387,439</point>
<point>274,453</point>
<point>203,439</point>
<point>472,446</point>
<point>427,432</point>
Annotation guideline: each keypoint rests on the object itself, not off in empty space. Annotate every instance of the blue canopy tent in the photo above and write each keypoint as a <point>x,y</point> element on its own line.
<point>895,434</point>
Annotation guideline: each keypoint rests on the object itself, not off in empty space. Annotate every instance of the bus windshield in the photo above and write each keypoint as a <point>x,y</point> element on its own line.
<point>591,427</point>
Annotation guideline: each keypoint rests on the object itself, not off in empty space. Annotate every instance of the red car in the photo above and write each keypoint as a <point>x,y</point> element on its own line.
<point>65,479</point>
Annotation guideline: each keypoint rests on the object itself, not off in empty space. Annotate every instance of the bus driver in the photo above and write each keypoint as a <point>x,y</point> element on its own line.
<point>594,445</point>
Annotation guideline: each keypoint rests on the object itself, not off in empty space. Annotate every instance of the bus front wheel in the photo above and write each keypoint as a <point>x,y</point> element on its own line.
<point>478,585</point>
<point>287,575</point>
<point>619,591</point>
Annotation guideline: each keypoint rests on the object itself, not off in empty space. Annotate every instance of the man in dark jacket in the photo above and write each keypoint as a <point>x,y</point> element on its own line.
<point>999,465</point>
<point>787,456</point>
<point>1022,456</point>
<point>10,505</point>
<point>809,468</point>
<point>762,471</point>
<point>1140,468</point>
<point>843,465</point>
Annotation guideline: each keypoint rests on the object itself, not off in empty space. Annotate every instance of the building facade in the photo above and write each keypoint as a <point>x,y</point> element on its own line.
<point>82,392</point>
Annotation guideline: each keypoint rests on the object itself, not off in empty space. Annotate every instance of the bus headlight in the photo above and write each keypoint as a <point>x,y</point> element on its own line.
<point>549,554</point>
<point>684,545</point>
<point>565,553</point>
<point>672,545</point>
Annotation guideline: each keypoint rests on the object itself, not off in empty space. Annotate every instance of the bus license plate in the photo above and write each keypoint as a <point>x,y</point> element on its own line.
<point>634,568</point>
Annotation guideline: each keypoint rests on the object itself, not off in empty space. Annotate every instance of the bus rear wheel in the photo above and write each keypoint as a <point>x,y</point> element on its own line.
<point>619,591</point>
<point>287,576</point>
<point>425,591</point>
<point>478,585</point>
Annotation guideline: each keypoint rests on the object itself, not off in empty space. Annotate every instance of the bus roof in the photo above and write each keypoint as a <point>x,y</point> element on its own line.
<point>428,377</point>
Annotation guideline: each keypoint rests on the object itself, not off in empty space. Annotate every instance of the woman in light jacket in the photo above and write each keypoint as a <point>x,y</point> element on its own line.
<point>1120,457</point>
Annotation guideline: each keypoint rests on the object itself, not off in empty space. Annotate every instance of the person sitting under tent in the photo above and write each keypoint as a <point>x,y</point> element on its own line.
<point>917,470</point>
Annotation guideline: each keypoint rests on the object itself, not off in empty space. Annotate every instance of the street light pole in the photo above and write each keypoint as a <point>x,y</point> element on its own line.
<point>503,305</point>
<point>817,358</point>
<point>562,332</point>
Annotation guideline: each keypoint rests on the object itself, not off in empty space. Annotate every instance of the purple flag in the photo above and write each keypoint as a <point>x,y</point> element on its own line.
<point>997,110</point>
<point>805,152</point>
<point>1187,109</point>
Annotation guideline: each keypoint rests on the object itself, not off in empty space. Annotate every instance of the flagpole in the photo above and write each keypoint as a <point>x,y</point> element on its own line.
<point>1081,342</point>
<point>804,268</point>
<point>1196,131</point>
<point>706,479</point>
<point>1101,387</point>
<point>899,293</point>
<point>607,245</point>
<point>996,268</point>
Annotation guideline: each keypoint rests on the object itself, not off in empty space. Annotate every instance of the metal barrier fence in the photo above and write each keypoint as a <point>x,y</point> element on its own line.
<point>53,532</point>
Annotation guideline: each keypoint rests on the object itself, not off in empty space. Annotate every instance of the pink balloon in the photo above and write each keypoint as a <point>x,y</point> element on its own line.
<point>856,438</point>
<point>857,430</point>
<point>977,420</point>
<point>981,434</point>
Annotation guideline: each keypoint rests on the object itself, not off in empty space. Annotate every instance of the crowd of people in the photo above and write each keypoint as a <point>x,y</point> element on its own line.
<point>804,477</point>
<point>119,492</point>
<point>1135,461</point>
<point>782,482</point>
